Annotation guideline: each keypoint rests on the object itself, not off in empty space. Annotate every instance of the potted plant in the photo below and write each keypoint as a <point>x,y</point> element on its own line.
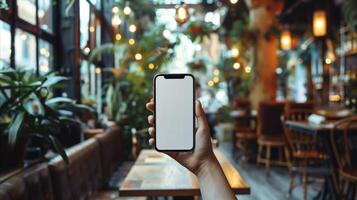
<point>29,111</point>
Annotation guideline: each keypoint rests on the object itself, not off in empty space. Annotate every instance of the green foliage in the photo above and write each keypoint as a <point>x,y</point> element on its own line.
<point>197,30</point>
<point>28,108</point>
<point>223,114</point>
<point>3,4</point>
<point>349,8</point>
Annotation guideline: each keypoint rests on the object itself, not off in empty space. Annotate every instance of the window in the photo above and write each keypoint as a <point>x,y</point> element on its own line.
<point>33,33</point>
<point>5,47</point>
<point>25,50</point>
<point>26,10</point>
<point>44,13</point>
<point>45,61</point>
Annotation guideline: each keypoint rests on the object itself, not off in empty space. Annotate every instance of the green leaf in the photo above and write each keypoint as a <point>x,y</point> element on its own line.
<point>14,127</point>
<point>57,100</point>
<point>28,106</point>
<point>58,148</point>
<point>54,80</point>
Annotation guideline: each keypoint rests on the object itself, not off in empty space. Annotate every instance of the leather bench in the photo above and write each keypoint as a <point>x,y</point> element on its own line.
<point>31,183</point>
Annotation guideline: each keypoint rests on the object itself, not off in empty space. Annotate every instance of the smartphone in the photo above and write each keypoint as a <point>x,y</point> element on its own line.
<point>174,97</point>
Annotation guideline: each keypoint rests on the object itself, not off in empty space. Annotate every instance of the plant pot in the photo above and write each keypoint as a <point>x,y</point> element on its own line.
<point>11,157</point>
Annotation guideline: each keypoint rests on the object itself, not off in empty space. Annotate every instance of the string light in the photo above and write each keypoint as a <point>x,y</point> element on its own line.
<point>127,10</point>
<point>86,50</point>
<point>247,69</point>
<point>132,28</point>
<point>216,79</point>
<point>234,1</point>
<point>118,36</point>
<point>91,29</point>
<point>98,70</point>
<point>138,56</point>
<point>328,61</point>
<point>210,83</point>
<point>131,41</point>
<point>151,66</point>
<point>216,72</point>
<point>115,9</point>
<point>235,52</point>
<point>116,21</point>
<point>236,65</point>
<point>166,33</point>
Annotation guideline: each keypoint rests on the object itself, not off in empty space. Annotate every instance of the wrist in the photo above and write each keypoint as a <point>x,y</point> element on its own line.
<point>207,166</point>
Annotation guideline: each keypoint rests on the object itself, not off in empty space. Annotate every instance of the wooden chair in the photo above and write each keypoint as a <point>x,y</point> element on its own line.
<point>244,135</point>
<point>270,134</point>
<point>343,139</point>
<point>306,158</point>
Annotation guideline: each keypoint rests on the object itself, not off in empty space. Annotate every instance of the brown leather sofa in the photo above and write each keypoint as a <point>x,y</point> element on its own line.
<point>32,183</point>
<point>91,166</point>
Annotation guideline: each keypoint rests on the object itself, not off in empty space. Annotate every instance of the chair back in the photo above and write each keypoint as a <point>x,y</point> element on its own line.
<point>343,139</point>
<point>244,123</point>
<point>269,119</point>
<point>298,111</point>
<point>298,141</point>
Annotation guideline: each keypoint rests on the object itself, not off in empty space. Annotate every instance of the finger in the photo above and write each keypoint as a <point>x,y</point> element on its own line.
<point>151,119</point>
<point>152,141</point>
<point>150,106</point>
<point>151,131</point>
<point>201,116</point>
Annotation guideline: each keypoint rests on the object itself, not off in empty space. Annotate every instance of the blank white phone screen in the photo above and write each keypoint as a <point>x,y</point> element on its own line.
<point>174,113</point>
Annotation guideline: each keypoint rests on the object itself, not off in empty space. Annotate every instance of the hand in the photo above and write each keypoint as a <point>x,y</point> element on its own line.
<point>202,155</point>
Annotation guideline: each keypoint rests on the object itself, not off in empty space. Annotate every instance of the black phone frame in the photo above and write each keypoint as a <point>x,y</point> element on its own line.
<point>177,76</point>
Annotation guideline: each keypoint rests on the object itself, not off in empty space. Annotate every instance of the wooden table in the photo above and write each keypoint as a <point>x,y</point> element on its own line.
<point>322,131</point>
<point>156,174</point>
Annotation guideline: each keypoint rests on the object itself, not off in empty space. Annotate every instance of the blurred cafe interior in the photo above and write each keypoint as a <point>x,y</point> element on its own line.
<point>277,81</point>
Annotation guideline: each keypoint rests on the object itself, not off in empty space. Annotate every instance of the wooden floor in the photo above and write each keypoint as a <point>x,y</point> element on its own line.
<point>272,187</point>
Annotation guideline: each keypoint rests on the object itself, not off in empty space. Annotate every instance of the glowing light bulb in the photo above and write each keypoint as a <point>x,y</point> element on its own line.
<point>132,28</point>
<point>115,9</point>
<point>116,21</point>
<point>234,1</point>
<point>236,65</point>
<point>210,83</point>
<point>247,69</point>
<point>98,70</point>
<point>131,41</point>
<point>86,50</point>
<point>127,10</point>
<point>118,36</point>
<point>138,56</point>
<point>216,79</point>
<point>216,72</point>
<point>235,52</point>
<point>166,33</point>
<point>151,66</point>
<point>91,29</point>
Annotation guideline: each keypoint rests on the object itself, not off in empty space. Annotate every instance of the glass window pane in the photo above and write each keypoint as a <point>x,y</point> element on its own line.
<point>27,10</point>
<point>84,22</point>
<point>25,50</point>
<point>45,60</point>
<point>5,47</point>
<point>45,15</point>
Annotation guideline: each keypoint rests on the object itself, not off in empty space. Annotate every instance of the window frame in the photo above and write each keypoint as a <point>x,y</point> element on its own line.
<point>11,17</point>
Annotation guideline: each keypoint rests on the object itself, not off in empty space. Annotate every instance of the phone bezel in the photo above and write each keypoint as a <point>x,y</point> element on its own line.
<point>176,76</point>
